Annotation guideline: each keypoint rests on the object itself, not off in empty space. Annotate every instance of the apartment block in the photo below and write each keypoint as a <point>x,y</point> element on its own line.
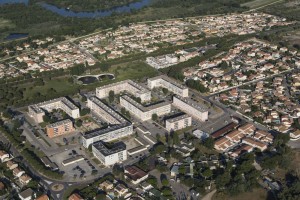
<point>171,85</point>
<point>109,155</point>
<point>107,134</point>
<point>128,86</point>
<point>144,112</point>
<point>60,128</point>
<point>191,107</point>
<point>104,112</point>
<point>37,111</point>
<point>179,122</point>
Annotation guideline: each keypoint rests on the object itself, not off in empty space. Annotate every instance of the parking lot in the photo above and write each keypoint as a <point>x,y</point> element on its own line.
<point>76,171</point>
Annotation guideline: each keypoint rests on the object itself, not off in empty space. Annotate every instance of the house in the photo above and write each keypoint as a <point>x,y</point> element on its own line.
<point>2,186</point>
<point>106,185</point>
<point>122,191</point>
<point>11,165</point>
<point>42,197</point>
<point>24,179</point>
<point>135,174</point>
<point>26,194</point>
<point>3,156</point>
<point>17,172</point>
<point>146,186</point>
<point>75,196</point>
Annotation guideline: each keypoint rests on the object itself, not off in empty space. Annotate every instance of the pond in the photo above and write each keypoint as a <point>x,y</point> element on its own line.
<point>14,36</point>
<point>96,14</point>
<point>92,79</point>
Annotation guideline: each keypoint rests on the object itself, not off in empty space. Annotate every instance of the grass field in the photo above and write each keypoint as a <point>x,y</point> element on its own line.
<point>134,70</point>
<point>258,3</point>
<point>257,194</point>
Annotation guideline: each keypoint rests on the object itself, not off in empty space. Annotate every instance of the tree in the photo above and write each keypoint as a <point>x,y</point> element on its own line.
<point>100,196</point>
<point>111,96</point>
<point>85,111</point>
<point>165,91</point>
<point>207,173</point>
<point>165,182</point>
<point>154,117</point>
<point>209,143</point>
<point>79,123</point>
<point>175,138</point>
<point>46,118</point>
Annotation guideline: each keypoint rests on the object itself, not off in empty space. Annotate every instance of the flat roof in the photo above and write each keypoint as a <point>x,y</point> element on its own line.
<point>169,80</point>
<point>192,103</point>
<point>106,151</point>
<point>59,123</point>
<point>140,89</point>
<point>178,118</point>
<point>105,130</point>
<point>144,108</point>
<point>110,111</point>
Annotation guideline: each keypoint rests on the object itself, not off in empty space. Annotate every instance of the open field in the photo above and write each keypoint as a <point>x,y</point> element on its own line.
<point>259,193</point>
<point>134,70</point>
<point>258,3</point>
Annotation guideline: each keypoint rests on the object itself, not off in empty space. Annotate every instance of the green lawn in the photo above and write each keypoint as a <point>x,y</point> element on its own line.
<point>133,70</point>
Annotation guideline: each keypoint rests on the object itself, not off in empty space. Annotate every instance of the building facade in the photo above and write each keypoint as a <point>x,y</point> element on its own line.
<point>37,111</point>
<point>190,107</point>
<point>166,82</point>
<point>59,128</point>
<point>142,112</point>
<point>107,134</point>
<point>179,122</point>
<point>110,155</point>
<point>104,112</point>
<point>127,85</point>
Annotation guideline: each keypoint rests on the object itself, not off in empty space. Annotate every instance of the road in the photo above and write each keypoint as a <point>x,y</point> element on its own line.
<point>260,7</point>
<point>209,195</point>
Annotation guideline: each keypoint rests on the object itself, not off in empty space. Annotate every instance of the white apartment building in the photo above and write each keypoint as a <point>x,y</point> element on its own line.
<point>166,82</point>
<point>191,107</point>
<point>179,122</point>
<point>37,112</point>
<point>127,85</point>
<point>142,112</point>
<point>109,156</point>
<point>108,134</point>
<point>104,112</point>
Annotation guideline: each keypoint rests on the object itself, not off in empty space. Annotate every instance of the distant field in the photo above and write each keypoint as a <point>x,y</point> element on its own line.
<point>258,3</point>
<point>257,194</point>
<point>6,24</point>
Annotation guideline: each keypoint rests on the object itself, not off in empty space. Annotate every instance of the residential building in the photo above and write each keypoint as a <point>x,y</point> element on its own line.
<point>255,143</point>
<point>178,122</point>
<point>128,86</point>
<point>144,112</point>
<point>26,194</point>
<point>107,134</point>
<point>4,156</point>
<point>11,165</point>
<point>168,83</point>
<point>75,196</point>
<point>104,112</point>
<point>17,172</point>
<point>37,111</point>
<point>135,174</point>
<point>109,155</point>
<point>24,179</point>
<point>223,144</point>
<point>60,128</point>
<point>42,197</point>
<point>191,107</point>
